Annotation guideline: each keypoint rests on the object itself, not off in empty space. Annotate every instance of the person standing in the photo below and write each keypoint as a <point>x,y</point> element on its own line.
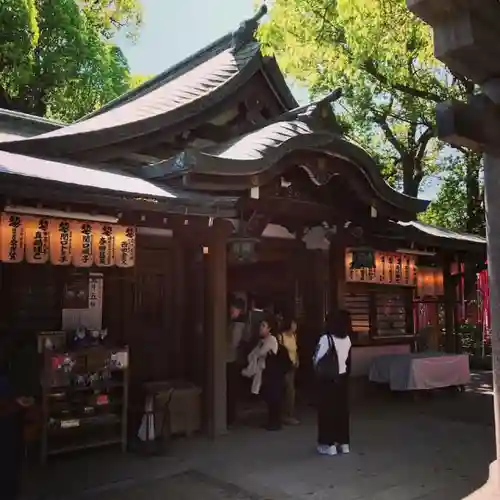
<point>235,333</point>
<point>267,371</point>
<point>332,362</point>
<point>273,376</point>
<point>288,338</point>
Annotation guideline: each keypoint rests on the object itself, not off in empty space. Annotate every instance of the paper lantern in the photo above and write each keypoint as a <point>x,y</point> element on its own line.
<point>83,243</point>
<point>12,238</point>
<point>37,240</point>
<point>124,238</point>
<point>61,244</point>
<point>104,248</point>
<point>430,282</point>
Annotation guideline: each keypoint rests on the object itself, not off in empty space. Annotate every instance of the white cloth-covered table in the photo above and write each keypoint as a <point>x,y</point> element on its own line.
<point>420,371</point>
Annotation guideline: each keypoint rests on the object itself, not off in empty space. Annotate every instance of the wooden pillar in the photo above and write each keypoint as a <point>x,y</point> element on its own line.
<point>314,266</point>
<point>337,274</point>
<point>217,328</point>
<point>179,276</point>
<point>195,360</point>
<point>449,305</point>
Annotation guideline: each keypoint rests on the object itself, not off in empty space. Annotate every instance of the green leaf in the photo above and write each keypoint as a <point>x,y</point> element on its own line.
<point>57,57</point>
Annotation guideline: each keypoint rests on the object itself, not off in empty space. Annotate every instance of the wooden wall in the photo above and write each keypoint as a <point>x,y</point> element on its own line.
<point>379,311</point>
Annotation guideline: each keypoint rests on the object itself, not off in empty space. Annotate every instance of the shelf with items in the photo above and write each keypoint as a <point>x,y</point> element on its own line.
<point>85,398</point>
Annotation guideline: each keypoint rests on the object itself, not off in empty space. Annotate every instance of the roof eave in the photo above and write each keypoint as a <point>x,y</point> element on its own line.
<point>274,76</point>
<point>243,173</point>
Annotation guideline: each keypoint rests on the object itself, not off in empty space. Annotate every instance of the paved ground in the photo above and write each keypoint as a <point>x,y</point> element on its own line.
<point>435,448</point>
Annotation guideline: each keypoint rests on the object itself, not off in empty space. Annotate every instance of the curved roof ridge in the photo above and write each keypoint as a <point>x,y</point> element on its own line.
<point>235,39</point>
<point>177,98</point>
<point>176,70</point>
<point>250,159</point>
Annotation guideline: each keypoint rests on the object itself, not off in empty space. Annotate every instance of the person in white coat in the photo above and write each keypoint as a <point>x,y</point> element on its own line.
<point>334,347</point>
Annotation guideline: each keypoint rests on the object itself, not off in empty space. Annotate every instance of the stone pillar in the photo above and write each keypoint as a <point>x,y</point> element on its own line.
<point>217,328</point>
<point>492,195</point>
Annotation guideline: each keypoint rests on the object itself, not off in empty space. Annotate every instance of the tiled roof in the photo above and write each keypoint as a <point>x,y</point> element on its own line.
<point>175,71</point>
<point>26,166</point>
<point>165,105</point>
<point>440,232</point>
<point>18,126</point>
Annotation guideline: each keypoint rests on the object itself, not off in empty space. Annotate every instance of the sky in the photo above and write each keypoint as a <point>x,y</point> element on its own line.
<point>173,30</point>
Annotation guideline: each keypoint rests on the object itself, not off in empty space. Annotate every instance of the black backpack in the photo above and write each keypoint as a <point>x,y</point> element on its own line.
<point>327,368</point>
<point>283,358</point>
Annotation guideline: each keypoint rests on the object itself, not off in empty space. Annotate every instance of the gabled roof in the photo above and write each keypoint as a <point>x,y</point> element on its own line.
<point>187,90</point>
<point>255,158</point>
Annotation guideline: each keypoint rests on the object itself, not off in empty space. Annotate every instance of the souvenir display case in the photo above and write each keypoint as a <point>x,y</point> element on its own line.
<point>84,394</point>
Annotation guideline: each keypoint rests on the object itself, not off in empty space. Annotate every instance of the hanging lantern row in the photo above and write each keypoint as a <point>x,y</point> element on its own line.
<point>392,268</point>
<point>384,268</point>
<point>64,242</point>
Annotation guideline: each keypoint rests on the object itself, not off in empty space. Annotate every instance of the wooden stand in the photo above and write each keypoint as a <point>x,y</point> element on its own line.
<point>85,399</point>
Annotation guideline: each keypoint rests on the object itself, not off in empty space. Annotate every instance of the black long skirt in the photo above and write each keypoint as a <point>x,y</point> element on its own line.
<point>333,412</point>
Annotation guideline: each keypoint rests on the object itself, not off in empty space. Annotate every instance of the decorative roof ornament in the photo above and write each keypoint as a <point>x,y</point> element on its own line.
<point>317,114</point>
<point>246,31</point>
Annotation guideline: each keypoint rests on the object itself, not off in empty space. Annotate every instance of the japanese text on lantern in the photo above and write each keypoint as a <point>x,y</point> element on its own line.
<point>124,246</point>
<point>61,244</point>
<point>104,242</point>
<point>83,253</point>
<point>12,238</point>
<point>37,240</point>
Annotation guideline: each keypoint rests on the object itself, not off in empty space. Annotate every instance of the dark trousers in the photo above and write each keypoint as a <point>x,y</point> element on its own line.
<point>273,393</point>
<point>274,413</point>
<point>233,390</point>
<point>333,412</point>
<point>11,455</point>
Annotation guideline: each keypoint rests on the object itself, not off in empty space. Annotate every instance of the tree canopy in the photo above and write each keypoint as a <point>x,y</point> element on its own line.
<point>57,57</point>
<point>382,58</point>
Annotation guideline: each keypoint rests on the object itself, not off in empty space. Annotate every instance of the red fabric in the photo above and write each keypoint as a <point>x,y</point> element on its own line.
<point>484,311</point>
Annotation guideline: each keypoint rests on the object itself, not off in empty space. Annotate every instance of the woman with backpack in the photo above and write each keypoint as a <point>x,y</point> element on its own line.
<point>332,363</point>
<point>268,364</point>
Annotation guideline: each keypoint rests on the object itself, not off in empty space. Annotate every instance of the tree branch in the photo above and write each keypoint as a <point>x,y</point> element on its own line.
<point>381,121</point>
<point>422,143</point>
<point>371,68</point>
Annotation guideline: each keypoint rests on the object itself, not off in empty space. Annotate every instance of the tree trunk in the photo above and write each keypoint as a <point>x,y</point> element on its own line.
<point>411,177</point>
